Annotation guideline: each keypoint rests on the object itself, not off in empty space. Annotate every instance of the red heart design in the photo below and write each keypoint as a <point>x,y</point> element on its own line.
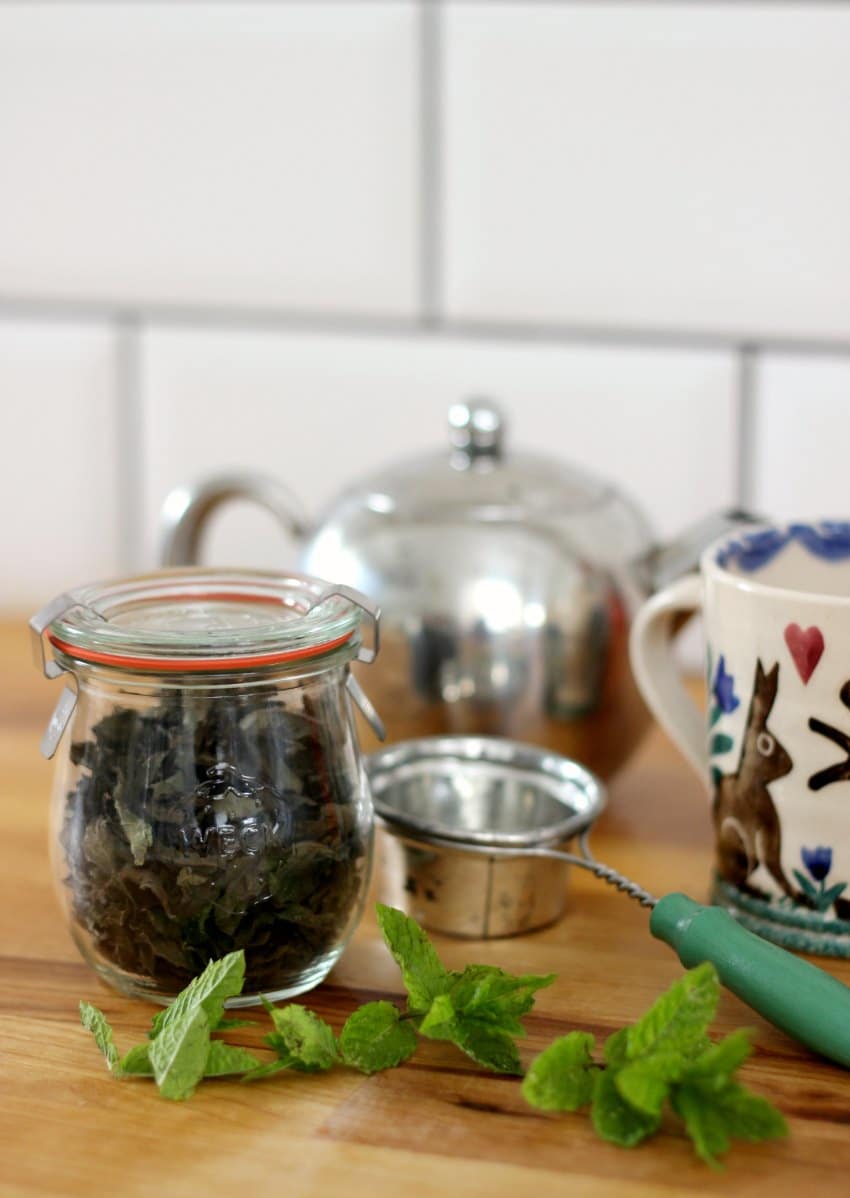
<point>806,648</point>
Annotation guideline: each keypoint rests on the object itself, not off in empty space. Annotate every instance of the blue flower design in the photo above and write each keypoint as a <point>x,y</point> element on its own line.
<point>829,540</point>
<point>817,861</point>
<point>724,688</point>
<point>754,550</point>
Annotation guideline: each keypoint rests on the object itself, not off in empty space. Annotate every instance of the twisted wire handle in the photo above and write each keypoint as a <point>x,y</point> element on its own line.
<point>587,861</point>
<point>611,876</point>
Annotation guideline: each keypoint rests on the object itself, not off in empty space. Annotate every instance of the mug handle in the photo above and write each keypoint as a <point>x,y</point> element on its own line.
<point>657,673</point>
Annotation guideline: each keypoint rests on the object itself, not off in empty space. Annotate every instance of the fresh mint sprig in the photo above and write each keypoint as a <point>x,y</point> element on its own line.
<point>180,1051</point>
<point>477,1010</point>
<point>665,1057</point>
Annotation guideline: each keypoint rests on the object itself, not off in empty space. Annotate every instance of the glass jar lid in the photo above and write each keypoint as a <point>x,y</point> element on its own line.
<point>206,620</point>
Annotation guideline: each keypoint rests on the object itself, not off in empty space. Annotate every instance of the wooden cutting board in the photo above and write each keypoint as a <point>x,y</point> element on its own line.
<point>437,1126</point>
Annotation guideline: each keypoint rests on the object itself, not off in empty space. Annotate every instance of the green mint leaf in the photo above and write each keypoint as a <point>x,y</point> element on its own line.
<point>277,1042</point>
<point>712,1119</point>
<point>472,998</point>
<point>220,980</point>
<point>645,1083</point>
<point>719,1061</point>
<point>95,1021</point>
<point>750,1116</point>
<point>225,1059</point>
<point>286,1059</point>
<point>137,1062</point>
<point>652,1054</point>
<point>222,1059</point>
<point>306,1037</point>
<point>677,1021</point>
<point>374,1039</point>
<point>422,971</point>
<point>705,1126</point>
<point>178,1053</point>
<point>487,1045</point>
<point>561,1078</point>
<point>479,1013</point>
<point>614,1119</point>
<point>487,993</point>
<point>226,1025</point>
<point>485,1041</point>
<point>616,1048</point>
<point>267,1070</point>
<point>439,1022</point>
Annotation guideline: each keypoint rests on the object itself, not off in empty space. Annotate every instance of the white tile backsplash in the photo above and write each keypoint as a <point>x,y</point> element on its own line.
<point>654,165</point>
<point>673,165</point>
<point>801,464</point>
<point>317,412</point>
<point>246,154</point>
<point>59,490</point>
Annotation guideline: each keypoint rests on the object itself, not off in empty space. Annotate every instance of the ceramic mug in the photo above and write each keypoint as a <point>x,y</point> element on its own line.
<point>776,756</point>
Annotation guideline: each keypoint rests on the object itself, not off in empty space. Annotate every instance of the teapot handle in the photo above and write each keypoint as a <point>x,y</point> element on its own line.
<point>663,563</point>
<point>187,509</point>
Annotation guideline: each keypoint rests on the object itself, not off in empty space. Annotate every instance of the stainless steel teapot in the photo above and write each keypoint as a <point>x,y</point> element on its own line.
<point>507,583</point>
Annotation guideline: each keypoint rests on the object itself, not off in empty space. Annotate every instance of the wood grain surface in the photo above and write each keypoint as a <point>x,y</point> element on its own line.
<point>438,1125</point>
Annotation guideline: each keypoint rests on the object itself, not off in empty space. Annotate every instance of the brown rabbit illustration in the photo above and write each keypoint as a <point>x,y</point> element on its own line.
<point>747,830</point>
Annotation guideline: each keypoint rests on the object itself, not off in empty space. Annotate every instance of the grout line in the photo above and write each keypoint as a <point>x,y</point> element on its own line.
<point>430,162</point>
<point>129,449</point>
<point>207,316</point>
<point>651,337</point>
<point>284,320</point>
<point>747,365</point>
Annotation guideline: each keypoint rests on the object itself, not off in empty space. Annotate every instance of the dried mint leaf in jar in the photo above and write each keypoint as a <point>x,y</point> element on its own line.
<point>204,825</point>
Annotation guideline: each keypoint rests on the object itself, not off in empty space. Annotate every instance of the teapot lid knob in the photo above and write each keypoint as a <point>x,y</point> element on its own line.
<point>475,428</point>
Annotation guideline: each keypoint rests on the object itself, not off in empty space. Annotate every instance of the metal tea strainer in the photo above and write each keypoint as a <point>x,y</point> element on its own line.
<point>475,829</point>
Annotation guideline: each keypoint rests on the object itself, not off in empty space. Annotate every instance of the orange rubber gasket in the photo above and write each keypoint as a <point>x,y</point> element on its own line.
<point>188,664</point>
<point>224,596</point>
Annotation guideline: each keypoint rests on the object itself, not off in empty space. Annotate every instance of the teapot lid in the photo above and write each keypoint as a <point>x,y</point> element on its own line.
<point>478,479</point>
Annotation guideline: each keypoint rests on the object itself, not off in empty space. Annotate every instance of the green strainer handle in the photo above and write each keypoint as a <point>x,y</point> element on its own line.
<point>794,995</point>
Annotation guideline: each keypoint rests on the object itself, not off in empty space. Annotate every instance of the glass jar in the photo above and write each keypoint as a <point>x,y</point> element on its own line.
<point>210,793</point>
